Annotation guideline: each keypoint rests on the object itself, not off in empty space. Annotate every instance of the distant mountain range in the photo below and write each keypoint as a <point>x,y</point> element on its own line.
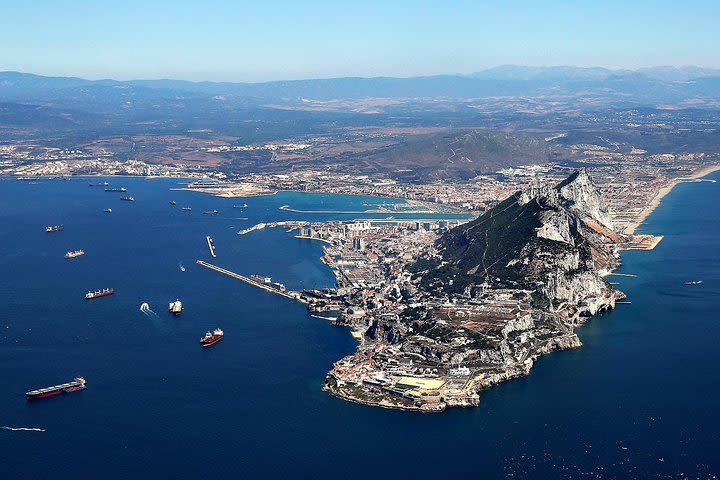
<point>656,84</point>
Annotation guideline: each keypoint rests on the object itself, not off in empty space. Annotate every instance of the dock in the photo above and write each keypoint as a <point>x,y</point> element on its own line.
<point>246,279</point>
<point>622,275</point>
<point>211,246</point>
<point>259,226</point>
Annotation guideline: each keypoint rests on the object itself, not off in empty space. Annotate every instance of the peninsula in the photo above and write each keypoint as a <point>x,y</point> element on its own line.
<point>442,312</point>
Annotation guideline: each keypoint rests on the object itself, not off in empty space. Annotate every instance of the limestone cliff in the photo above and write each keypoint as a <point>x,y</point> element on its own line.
<point>552,240</point>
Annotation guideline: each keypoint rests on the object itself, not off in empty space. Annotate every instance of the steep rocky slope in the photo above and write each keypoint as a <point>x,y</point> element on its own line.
<point>554,241</point>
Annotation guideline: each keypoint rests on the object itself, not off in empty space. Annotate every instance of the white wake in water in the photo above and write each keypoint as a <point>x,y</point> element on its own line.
<point>145,308</point>
<point>182,267</point>
<point>24,429</point>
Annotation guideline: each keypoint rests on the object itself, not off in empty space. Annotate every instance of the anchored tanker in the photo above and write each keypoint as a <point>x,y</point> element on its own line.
<point>99,293</point>
<point>211,338</point>
<point>77,384</point>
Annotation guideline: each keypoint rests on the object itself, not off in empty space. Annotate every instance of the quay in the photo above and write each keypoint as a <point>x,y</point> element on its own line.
<point>259,226</point>
<point>622,274</point>
<point>211,246</point>
<point>246,279</point>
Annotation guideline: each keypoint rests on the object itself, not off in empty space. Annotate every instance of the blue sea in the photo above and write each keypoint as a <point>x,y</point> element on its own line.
<point>638,400</point>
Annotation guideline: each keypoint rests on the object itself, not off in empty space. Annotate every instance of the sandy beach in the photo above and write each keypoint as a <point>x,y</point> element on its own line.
<point>697,174</point>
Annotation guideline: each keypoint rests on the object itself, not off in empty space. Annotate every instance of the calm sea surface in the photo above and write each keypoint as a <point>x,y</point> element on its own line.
<point>639,400</point>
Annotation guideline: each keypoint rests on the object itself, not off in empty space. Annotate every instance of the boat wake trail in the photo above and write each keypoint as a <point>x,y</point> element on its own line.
<point>182,267</point>
<point>24,429</point>
<point>145,308</point>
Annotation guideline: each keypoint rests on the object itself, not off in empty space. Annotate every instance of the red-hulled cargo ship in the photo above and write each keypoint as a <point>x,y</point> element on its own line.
<point>212,338</point>
<point>77,384</point>
<point>99,293</point>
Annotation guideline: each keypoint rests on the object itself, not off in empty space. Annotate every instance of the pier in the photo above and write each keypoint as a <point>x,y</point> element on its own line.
<point>259,226</point>
<point>246,279</point>
<point>622,275</point>
<point>211,246</point>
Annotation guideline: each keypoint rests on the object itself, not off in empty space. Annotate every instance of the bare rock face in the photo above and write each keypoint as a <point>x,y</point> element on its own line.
<point>584,197</point>
<point>544,239</point>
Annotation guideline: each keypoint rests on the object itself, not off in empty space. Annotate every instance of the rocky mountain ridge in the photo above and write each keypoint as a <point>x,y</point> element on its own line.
<point>554,241</point>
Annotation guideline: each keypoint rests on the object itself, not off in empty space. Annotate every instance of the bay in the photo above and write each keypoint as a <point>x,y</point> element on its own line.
<point>638,400</point>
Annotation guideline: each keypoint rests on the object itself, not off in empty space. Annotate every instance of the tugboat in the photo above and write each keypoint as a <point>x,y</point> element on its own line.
<point>75,253</point>
<point>175,307</point>
<point>211,338</point>
<point>54,228</point>
<point>73,386</point>
<point>99,293</point>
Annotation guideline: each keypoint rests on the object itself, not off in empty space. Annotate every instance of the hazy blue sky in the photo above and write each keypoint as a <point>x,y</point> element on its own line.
<point>270,40</point>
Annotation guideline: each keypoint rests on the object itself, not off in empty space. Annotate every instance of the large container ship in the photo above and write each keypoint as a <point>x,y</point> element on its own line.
<point>99,293</point>
<point>211,338</point>
<point>54,228</point>
<point>121,189</point>
<point>77,384</point>
<point>175,307</point>
<point>75,253</point>
<point>128,199</point>
<point>103,184</point>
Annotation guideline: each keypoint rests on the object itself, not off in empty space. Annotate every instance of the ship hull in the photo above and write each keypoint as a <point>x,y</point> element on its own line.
<point>43,395</point>
<point>74,386</point>
<point>74,389</point>
<point>98,295</point>
<point>210,342</point>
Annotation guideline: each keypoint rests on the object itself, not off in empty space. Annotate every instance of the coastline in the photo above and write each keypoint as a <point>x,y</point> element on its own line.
<point>663,191</point>
<point>337,386</point>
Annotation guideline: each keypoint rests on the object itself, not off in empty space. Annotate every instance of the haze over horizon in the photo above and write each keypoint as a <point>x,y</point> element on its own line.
<point>505,71</point>
<point>235,41</point>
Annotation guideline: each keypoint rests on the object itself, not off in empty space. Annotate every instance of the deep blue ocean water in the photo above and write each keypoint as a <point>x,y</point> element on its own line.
<point>638,400</point>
